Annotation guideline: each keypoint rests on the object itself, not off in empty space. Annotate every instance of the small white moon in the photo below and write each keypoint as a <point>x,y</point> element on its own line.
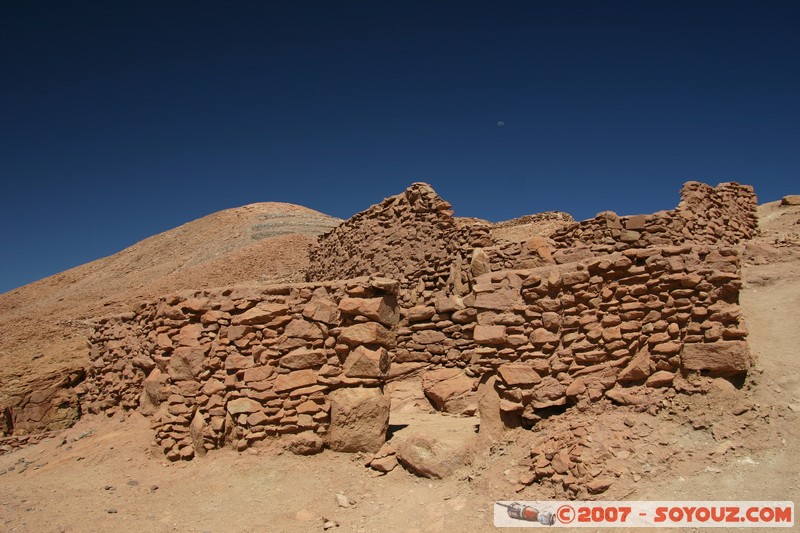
<point>500,123</point>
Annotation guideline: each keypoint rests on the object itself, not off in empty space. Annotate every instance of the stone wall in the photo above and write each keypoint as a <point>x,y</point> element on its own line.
<point>240,365</point>
<point>725,214</point>
<point>615,308</point>
<point>411,237</point>
<point>602,327</point>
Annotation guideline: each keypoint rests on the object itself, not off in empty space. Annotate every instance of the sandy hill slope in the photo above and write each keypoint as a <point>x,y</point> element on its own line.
<point>44,325</point>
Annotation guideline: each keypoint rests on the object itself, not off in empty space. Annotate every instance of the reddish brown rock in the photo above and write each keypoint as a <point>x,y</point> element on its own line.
<point>548,393</point>
<point>489,335</point>
<point>384,464</point>
<point>367,333</point>
<point>196,430</point>
<point>625,397</point>
<point>260,314</point>
<point>576,388</point>
<point>543,336</point>
<point>518,375</point>
<point>301,329</point>
<point>447,304</point>
<point>724,357</point>
<point>420,313</point>
<point>305,443</point>
<point>154,391</point>
<point>662,378</point>
<point>541,247</point>
<point>496,301</point>
<point>186,363</point>
<point>189,335</point>
<point>383,310</point>
<point>258,373</point>
<point>359,420</point>
<point>323,310</point>
<point>667,348</point>
<point>295,380</point>
<point>635,222</point>
<point>561,462</point>
<point>449,390</point>
<point>429,457</point>
<point>791,199</point>
<point>301,358</point>
<point>243,405</point>
<point>237,332</point>
<point>428,336</point>
<point>551,320</point>
<point>638,369</point>
<point>365,363</point>
<point>163,341</point>
<point>598,485</point>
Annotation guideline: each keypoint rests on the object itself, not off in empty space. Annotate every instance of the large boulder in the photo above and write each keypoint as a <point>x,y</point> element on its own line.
<point>359,419</point>
<point>450,390</point>
<point>718,358</point>
<point>427,456</point>
<point>408,396</point>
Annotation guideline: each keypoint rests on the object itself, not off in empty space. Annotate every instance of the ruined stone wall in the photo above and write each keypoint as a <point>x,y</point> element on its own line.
<point>614,307</point>
<point>411,237</point>
<point>240,365</point>
<point>722,215</point>
<point>725,214</point>
<point>570,332</point>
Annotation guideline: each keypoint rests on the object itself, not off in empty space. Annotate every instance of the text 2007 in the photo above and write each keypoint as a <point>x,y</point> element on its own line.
<point>603,514</point>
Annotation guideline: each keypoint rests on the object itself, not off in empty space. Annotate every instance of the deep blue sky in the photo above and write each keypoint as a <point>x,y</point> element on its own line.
<point>119,120</point>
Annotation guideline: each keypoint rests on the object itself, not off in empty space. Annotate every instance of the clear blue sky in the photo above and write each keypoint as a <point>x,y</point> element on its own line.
<point>122,119</point>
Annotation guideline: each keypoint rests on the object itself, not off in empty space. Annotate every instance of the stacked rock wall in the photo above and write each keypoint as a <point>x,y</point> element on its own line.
<point>240,365</point>
<point>725,214</point>
<point>565,333</point>
<point>446,321</point>
<point>614,307</point>
<point>411,237</point>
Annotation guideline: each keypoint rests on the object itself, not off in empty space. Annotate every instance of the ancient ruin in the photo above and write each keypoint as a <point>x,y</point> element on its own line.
<point>620,309</point>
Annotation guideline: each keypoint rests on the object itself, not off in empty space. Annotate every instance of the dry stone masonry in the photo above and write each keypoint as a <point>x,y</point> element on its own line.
<point>617,309</point>
<point>238,366</point>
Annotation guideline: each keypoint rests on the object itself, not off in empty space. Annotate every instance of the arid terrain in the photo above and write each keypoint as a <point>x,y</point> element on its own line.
<point>738,441</point>
<point>44,324</point>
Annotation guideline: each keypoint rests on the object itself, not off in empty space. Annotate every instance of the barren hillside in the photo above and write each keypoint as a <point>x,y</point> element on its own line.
<point>44,325</point>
